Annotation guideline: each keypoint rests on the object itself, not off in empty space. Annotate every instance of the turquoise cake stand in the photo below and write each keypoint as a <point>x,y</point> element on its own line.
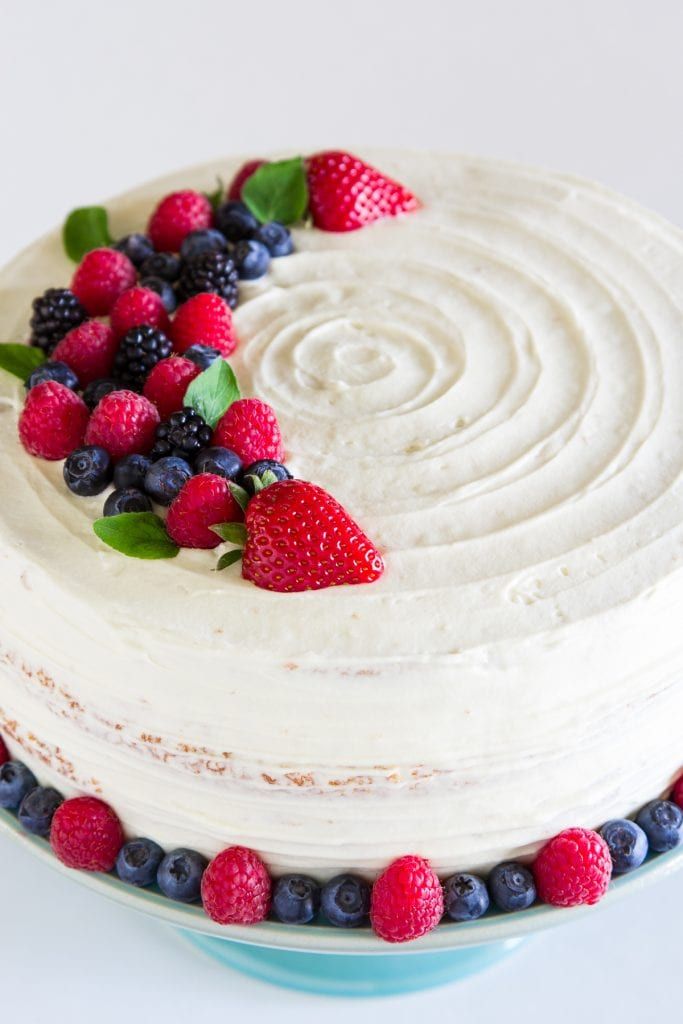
<point>331,961</point>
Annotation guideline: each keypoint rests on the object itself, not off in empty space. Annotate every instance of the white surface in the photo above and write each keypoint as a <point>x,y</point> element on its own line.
<point>95,103</point>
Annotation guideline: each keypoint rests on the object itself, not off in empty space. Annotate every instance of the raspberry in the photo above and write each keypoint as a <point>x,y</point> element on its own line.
<point>241,177</point>
<point>573,868</point>
<point>89,350</point>
<point>55,312</point>
<point>205,319</point>
<point>677,792</point>
<point>141,348</point>
<point>4,755</point>
<point>86,834</point>
<point>124,424</point>
<point>168,382</point>
<point>236,887</point>
<point>175,216</point>
<point>204,501</point>
<point>407,900</point>
<point>250,429</point>
<point>53,421</point>
<point>138,306</point>
<point>101,276</point>
<point>210,272</point>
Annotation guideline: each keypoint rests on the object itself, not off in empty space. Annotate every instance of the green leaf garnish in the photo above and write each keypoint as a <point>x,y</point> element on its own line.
<point>21,360</point>
<point>137,534</point>
<point>84,229</point>
<point>229,558</point>
<point>234,533</point>
<point>239,494</point>
<point>277,191</point>
<point>216,197</point>
<point>213,391</point>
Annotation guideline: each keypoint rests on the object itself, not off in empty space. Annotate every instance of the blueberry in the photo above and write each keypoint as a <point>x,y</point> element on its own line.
<point>511,886</point>
<point>37,808</point>
<point>202,355</point>
<point>198,242</point>
<point>180,875</point>
<point>161,264</point>
<point>258,469</point>
<point>235,221</point>
<point>138,861</point>
<point>94,392</point>
<point>60,372</point>
<point>627,844</point>
<point>130,471</point>
<point>88,470</point>
<point>662,823</point>
<point>276,238</point>
<point>126,499</point>
<point>251,259</point>
<point>465,897</point>
<point>162,288</point>
<point>16,780</point>
<point>345,901</point>
<point>221,461</point>
<point>164,479</point>
<point>296,899</point>
<point>136,247</point>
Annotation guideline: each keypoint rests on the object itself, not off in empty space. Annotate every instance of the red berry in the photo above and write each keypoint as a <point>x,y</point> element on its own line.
<point>124,423</point>
<point>167,383</point>
<point>244,173</point>
<point>176,215</point>
<point>89,350</point>
<point>138,306</point>
<point>53,421</point>
<point>300,538</point>
<point>573,868</point>
<point>250,428</point>
<point>205,319</point>
<point>677,792</point>
<point>86,834</point>
<point>345,193</point>
<point>236,887</point>
<point>4,755</point>
<point>204,501</point>
<point>407,900</point>
<point>100,278</point>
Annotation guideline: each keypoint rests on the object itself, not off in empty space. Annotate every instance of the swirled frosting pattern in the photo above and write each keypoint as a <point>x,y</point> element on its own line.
<point>492,386</point>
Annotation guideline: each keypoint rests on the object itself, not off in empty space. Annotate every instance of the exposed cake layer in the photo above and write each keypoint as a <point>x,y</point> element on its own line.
<point>492,386</point>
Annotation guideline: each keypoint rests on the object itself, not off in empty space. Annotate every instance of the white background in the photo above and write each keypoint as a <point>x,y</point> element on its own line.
<point>97,97</point>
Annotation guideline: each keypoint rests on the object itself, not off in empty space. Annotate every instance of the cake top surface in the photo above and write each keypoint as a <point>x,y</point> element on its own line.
<point>491,386</point>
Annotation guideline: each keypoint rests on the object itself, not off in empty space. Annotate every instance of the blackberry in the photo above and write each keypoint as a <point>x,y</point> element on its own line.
<point>209,272</point>
<point>140,350</point>
<point>55,313</point>
<point>182,435</point>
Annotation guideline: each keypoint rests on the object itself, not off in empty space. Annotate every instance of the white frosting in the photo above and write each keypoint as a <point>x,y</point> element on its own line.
<point>493,388</point>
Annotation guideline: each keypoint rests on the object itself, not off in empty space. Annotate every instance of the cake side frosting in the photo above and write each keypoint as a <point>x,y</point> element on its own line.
<point>491,385</point>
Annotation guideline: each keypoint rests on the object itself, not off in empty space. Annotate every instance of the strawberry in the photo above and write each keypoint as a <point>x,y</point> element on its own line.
<point>300,538</point>
<point>345,193</point>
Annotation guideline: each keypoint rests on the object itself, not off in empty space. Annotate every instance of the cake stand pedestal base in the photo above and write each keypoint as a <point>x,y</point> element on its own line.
<point>333,974</point>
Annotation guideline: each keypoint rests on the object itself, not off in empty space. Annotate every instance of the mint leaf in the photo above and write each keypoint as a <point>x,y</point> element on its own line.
<point>234,533</point>
<point>84,229</point>
<point>277,191</point>
<point>239,494</point>
<point>213,391</point>
<point>216,197</point>
<point>21,360</point>
<point>138,534</point>
<point>229,558</point>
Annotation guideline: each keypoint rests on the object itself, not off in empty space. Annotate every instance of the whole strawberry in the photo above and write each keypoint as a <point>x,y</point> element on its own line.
<point>345,193</point>
<point>242,177</point>
<point>101,276</point>
<point>407,900</point>
<point>251,429</point>
<point>204,319</point>
<point>89,350</point>
<point>204,501</point>
<point>176,215</point>
<point>138,306</point>
<point>167,383</point>
<point>53,421</point>
<point>123,423</point>
<point>300,538</point>
<point>573,868</point>
<point>86,834</point>
<point>236,887</point>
